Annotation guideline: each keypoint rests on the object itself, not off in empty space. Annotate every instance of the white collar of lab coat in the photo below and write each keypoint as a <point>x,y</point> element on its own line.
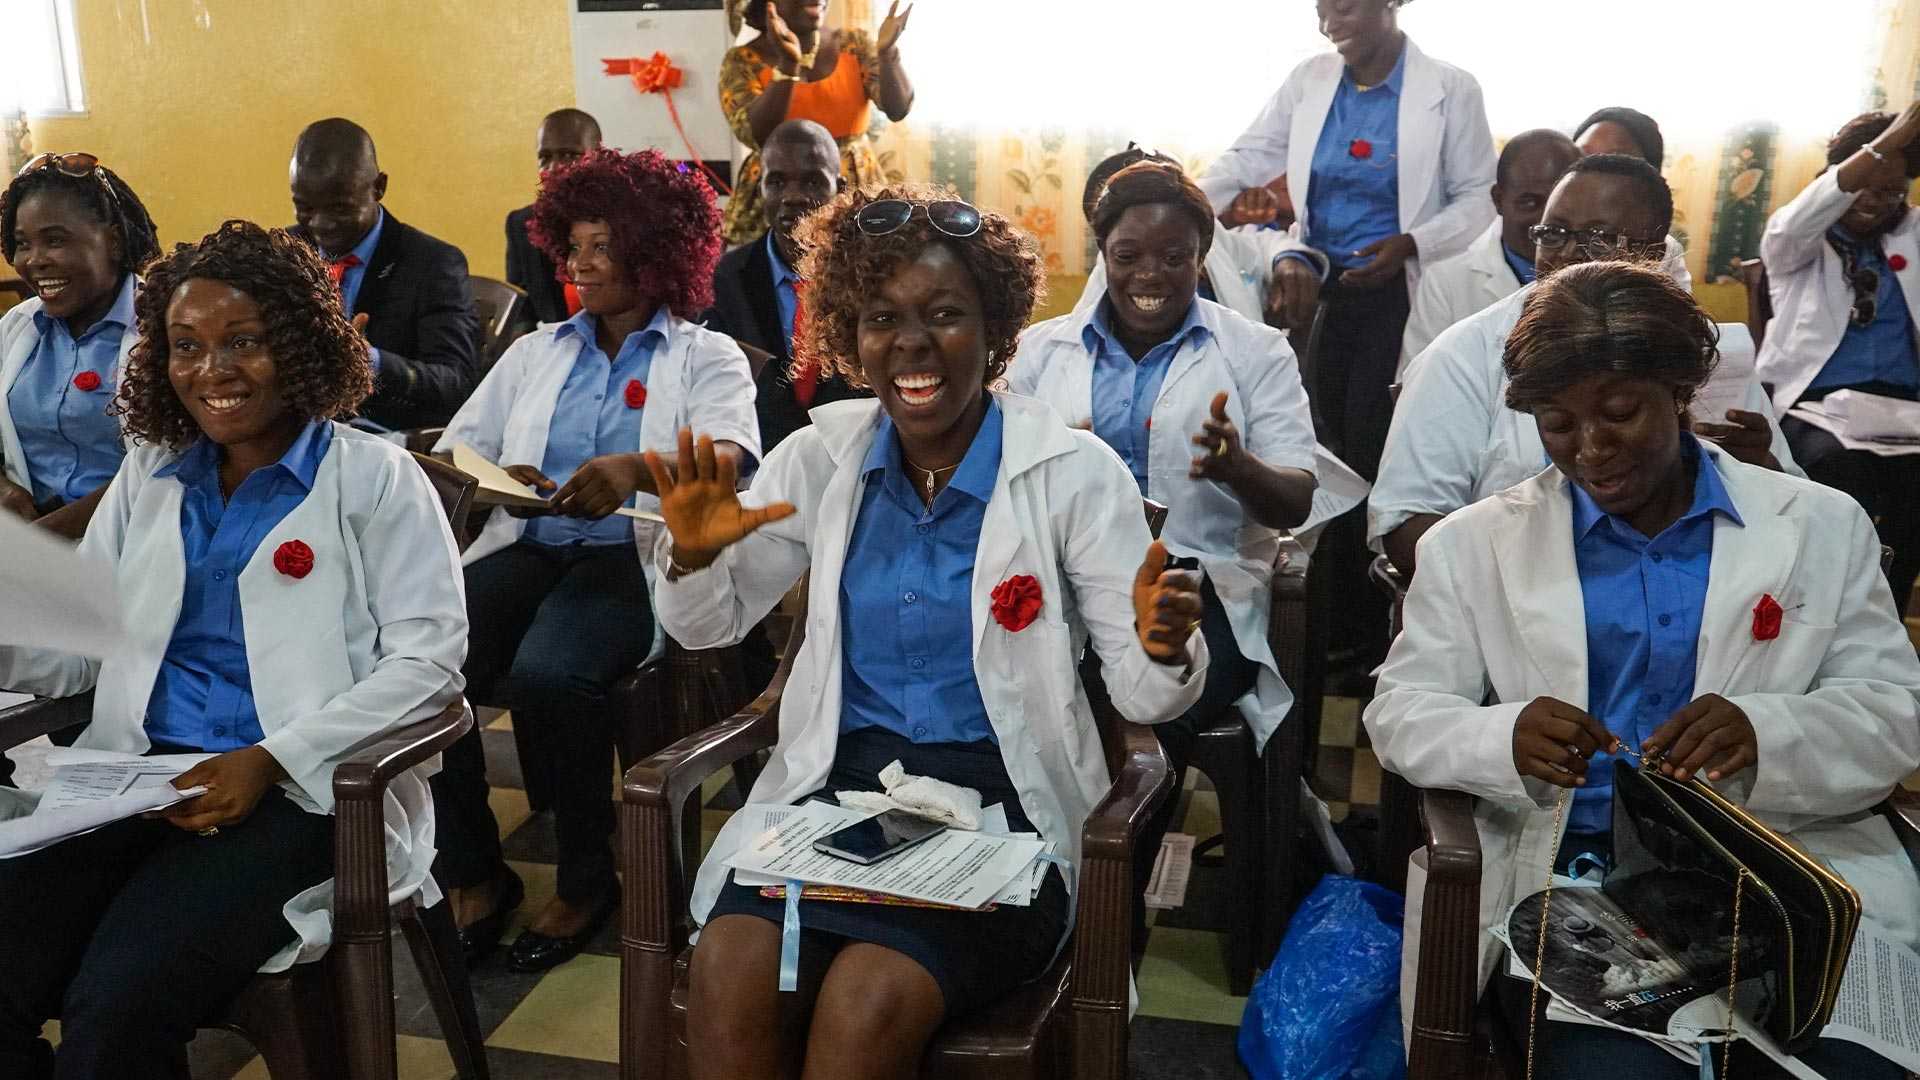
<point>1533,548</point>
<point>1032,432</point>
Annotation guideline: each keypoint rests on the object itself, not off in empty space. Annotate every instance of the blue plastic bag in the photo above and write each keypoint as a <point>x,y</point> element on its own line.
<point>1328,1008</point>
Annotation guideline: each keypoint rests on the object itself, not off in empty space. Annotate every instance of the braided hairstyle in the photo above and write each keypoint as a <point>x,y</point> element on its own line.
<point>102,195</point>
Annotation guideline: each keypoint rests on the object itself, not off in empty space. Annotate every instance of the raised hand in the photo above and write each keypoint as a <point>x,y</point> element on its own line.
<point>1552,741</point>
<point>1166,606</point>
<point>1253,206</point>
<point>783,37</point>
<point>1219,440</point>
<point>892,26</point>
<point>1747,437</point>
<point>700,504</point>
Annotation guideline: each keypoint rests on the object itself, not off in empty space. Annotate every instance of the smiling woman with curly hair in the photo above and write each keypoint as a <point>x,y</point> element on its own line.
<point>557,597</point>
<point>296,596</point>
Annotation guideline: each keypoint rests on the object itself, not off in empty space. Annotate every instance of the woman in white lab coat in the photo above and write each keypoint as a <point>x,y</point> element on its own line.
<point>963,546</point>
<point>1454,441</point>
<point>1207,410</point>
<point>292,594</point>
<point>558,596</point>
<point>1843,265</point>
<point>77,235</point>
<point>1648,591</point>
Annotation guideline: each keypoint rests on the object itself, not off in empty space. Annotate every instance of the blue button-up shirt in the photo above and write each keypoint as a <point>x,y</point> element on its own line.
<point>592,418</point>
<point>1353,202</point>
<point>906,598</point>
<point>785,296</point>
<point>1521,266</point>
<point>203,697</point>
<point>1882,351</point>
<point>1643,601</point>
<point>70,444</point>
<point>1125,390</point>
<point>354,275</point>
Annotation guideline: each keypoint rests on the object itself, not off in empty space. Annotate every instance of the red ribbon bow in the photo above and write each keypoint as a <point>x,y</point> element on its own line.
<point>636,394</point>
<point>1766,618</point>
<point>1360,149</point>
<point>1897,261</point>
<point>294,559</point>
<point>654,75</point>
<point>1016,602</point>
<point>87,381</point>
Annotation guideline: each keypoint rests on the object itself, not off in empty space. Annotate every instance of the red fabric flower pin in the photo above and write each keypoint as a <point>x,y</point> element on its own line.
<point>1898,262</point>
<point>294,559</point>
<point>1016,602</point>
<point>1766,618</point>
<point>1360,149</point>
<point>636,394</point>
<point>87,381</point>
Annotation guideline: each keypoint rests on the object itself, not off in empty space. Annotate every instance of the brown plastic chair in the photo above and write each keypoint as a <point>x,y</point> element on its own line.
<point>1072,1021</point>
<point>500,308</point>
<point>334,1017</point>
<point>1753,274</point>
<point>455,489</point>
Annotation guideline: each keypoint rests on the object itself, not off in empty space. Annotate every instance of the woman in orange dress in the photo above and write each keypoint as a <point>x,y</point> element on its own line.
<point>796,71</point>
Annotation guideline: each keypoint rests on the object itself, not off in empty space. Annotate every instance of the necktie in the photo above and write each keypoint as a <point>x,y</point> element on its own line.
<point>337,270</point>
<point>806,379</point>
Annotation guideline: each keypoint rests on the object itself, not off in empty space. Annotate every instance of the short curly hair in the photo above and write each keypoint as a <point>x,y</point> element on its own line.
<point>1862,130</point>
<point>1153,183</point>
<point>843,266</point>
<point>321,360</point>
<point>666,228</point>
<point>106,198</point>
<point>1608,317</point>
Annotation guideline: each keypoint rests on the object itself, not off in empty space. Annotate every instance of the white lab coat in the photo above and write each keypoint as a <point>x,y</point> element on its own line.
<point>1446,156</point>
<point>1834,699</point>
<point>1453,440</point>
<point>1064,510</point>
<point>19,336</point>
<point>699,379</point>
<point>1477,277</point>
<point>1205,519</point>
<point>1812,301</point>
<point>371,640</point>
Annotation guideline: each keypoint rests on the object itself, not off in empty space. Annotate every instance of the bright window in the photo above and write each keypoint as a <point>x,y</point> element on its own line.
<point>40,58</point>
<point>1194,72</point>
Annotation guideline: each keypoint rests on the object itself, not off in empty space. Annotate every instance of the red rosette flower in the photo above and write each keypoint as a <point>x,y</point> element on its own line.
<point>1766,618</point>
<point>1898,262</point>
<point>636,394</point>
<point>294,559</point>
<point>1360,149</point>
<point>87,381</point>
<point>1016,602</point>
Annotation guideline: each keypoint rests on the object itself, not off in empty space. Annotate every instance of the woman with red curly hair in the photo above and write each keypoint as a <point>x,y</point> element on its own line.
<point>556,595</point>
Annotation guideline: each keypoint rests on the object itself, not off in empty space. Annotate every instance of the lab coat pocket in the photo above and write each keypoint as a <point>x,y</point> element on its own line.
<point>1789,662</point>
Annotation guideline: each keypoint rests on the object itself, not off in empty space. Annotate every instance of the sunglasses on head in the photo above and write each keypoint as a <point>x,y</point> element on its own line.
<point>950,216</point>
<point>75,164</point>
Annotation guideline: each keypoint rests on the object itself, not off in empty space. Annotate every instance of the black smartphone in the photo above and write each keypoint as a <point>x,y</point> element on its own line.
<point>880,837</point>
<point>1182,562</point>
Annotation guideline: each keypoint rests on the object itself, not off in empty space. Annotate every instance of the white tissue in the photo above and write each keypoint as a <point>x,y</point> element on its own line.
<point>958,807</point>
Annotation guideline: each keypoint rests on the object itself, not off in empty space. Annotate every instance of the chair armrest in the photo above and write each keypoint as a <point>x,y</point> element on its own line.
<point>1103,907</point>
<point>1447,986</point>
<point>667,777</point>
<point>1452,841</point>
<point>364,776</point>
<point>1903,811</point>
<point>43,716</point>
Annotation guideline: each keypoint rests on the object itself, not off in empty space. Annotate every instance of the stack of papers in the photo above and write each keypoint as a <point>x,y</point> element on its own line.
<point>91,789</point>
<point>1732,378</point>
<point>499,488</point>
<point>1881,425</point>
<point>954,869</point>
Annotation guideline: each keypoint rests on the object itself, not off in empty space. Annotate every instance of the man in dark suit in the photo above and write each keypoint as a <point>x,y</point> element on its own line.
<point>406,291</point>
<point>755,288</point>
<point>566,136</point>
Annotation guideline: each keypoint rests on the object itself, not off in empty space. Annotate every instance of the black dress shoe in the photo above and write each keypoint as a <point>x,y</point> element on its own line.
<point>479,938</point>
<point>534,951</point>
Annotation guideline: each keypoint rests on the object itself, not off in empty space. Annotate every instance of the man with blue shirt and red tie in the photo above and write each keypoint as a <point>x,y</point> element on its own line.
<point>405,290</point>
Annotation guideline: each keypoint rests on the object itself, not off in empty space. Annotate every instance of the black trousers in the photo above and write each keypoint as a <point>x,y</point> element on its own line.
<point>1359,349</point>
<point>550,629</point>
<point>1887,487</point>
<point>135,935</point>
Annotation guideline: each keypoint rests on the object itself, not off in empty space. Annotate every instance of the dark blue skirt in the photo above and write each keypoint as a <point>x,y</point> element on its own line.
<point>977,957</point>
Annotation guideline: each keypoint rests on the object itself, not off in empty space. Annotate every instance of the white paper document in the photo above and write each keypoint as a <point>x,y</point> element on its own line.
<point>90,790</point>
<point>962,869</point>
<point>56,598</point>
<point>1885,426</point>
<point>1732,377</point>
<point>497,486</point>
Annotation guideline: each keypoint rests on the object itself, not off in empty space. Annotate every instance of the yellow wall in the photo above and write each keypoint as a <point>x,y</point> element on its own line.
<point>197,103</point>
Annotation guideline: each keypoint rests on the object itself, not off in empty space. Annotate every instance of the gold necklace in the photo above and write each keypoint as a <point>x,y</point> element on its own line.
<point>931,475</point>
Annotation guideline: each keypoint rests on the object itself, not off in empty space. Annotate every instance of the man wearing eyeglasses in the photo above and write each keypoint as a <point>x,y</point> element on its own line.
<point>1843,260</point>
<point>1453,439</point>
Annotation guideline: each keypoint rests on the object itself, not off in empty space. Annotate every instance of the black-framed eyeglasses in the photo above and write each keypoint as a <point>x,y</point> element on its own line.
<point>950,216</point>
<point>76,164</point>
<point>1598,242</point>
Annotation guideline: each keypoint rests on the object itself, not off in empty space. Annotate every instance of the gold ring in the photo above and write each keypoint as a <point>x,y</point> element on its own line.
<point>1192,626</point>
<point>211,830</point>
<point>1220,448</point>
